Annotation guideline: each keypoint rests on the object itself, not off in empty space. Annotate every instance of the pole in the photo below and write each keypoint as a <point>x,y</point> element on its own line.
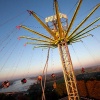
<point>69,77</point>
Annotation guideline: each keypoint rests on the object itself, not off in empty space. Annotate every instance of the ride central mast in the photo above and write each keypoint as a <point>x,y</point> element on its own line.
<point>69,77</point>
<point>59,24</point>
<point>61,36</point>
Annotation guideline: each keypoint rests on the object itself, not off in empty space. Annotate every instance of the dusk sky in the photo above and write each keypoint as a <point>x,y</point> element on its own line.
<point>20,60</point>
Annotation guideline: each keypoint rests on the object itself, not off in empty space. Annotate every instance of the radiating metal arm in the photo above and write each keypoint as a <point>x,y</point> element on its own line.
<point>79,35</point>
<point>40,44</point>
<point>37,43</point>
<point>30,38</point>
<point>37,33</point>
<point>97,6</point>
<point>74,16</point>
<point>80,32</point>
<point>45,47</point>
<point>58,18</point>
<point>75,41</point>
<point>43,24</point>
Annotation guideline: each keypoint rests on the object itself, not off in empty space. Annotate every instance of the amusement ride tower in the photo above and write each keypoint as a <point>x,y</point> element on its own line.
<point>61,36</point>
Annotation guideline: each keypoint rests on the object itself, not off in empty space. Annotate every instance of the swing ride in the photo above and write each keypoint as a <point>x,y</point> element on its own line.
<point>53,75</point>
<point>62,36</point>
<point>23,81</point>
<point>6,84</point>
<point>39,78</point>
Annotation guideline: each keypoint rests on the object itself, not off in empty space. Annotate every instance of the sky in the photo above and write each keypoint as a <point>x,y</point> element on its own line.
<point>18,60</point>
